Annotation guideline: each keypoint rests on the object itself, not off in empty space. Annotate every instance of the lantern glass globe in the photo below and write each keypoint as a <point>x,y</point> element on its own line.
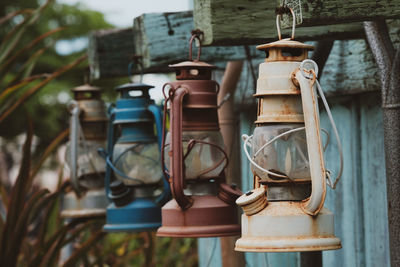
<point>285,156</point>
<point>90,165</point>
<point>203,161</point>
<point>140,161</point>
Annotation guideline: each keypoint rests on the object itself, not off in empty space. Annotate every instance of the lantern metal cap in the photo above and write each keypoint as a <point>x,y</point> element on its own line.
<point>285,43</point>
<point>192,64</point>
<point>86,88</point>
<point>133,86</point>
<point>251,196</point>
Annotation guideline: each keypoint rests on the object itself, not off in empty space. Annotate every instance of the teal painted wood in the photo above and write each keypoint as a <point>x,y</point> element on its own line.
<point>163,38</point>
<point>346,201</point>
<point>374,183</point>
<point>209,250</point>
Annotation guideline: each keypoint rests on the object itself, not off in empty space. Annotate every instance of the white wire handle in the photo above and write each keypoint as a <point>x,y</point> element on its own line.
<point>310,75</point>
<point>247,138</point>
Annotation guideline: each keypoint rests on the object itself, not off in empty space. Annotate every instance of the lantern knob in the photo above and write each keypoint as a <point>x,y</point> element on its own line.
<point>120,193</point>
<point>253,201</point>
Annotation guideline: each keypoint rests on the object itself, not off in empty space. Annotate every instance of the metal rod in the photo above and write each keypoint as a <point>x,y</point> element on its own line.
<point>311,259</point>
<point>229,130</point>
<point>389,64</point>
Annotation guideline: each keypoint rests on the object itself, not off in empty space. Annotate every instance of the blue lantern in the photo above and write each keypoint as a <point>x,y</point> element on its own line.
<point>134,178</point>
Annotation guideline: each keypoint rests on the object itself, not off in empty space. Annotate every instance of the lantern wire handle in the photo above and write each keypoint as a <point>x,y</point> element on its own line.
<point>195,35</point>
<point>312,74</point>
<point>130,69</point>
<point>191,145</point>
<point>278,24</point>
<point>164,127</point>
<point>246,140</point>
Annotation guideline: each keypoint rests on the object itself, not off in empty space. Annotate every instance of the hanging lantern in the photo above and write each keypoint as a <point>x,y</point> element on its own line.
<point>134,178</point>
<point>87,133</point>
<point>284,212</point>
<point>203,205</point>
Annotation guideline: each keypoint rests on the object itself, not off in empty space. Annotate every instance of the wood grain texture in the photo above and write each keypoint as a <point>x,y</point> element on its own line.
<point>350,69</point>
<point>237,22</point>
<point>110,52</point>
<point>163,38</point>
<point>374,180</point>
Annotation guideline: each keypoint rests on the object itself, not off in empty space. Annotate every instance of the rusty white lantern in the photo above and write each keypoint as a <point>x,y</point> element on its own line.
<point>284,212</point>
<point>88,129</point>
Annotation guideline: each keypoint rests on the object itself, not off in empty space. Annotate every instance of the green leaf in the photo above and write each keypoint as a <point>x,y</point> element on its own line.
<point>34,89</point>
<point>8,91</point>
<point>21,228</point>
<point>18,192</point>
<point>44,247</point>
<point>50,148</point>
<point>83,250</point>
<point>25,48</point>
<point>11,40</point>
<point>14,14</point>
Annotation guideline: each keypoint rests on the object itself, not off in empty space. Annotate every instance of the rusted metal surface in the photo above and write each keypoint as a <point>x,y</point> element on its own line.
<point>388,61</point>
<point>283,227</point>
<point>92,204</point>
<point>88,118</point>
<point>193,107</point>
<point>209,216</point>
<point>314,146</point>
<point>286,96</point>
<point>92,109</point>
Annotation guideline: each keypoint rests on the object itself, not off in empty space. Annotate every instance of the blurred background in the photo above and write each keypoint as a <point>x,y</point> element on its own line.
<point>43,47</point>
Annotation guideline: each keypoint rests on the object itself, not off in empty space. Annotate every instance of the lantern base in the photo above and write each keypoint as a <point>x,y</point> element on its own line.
<point>142,214</point>
<point>284,227</point>
<point>92,204</point>
<point>209,216</point>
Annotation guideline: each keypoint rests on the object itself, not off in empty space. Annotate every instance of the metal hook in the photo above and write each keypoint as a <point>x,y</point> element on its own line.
<point>136,59</point>
<point>195,35</point>
<point>278,24</point>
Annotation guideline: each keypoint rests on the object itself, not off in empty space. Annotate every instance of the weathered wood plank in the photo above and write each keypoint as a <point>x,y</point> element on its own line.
<point>374,183</point>
<point>110,52</point>
<point>163,38</point>
<point>346,201</point>
<point>238,22</point>
<point>350,69</point>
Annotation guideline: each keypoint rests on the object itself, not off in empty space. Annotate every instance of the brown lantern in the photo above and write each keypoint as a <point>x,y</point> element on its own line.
<point>203,205</point>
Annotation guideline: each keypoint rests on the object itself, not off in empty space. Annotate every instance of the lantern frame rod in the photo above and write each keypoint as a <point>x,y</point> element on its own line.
<point>388,61</point>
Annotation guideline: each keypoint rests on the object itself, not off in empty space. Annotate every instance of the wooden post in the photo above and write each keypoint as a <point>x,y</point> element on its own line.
<point>388,60</point>
<point>229,129</point>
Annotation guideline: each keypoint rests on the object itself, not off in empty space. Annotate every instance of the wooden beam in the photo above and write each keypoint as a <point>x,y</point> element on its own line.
<point>350,69</point>
<point>238,22</point>
<point>163,38</point>
<point>110,52</point>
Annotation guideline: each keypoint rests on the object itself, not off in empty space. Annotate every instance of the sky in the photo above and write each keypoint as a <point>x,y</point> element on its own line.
<point>121,14</point>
